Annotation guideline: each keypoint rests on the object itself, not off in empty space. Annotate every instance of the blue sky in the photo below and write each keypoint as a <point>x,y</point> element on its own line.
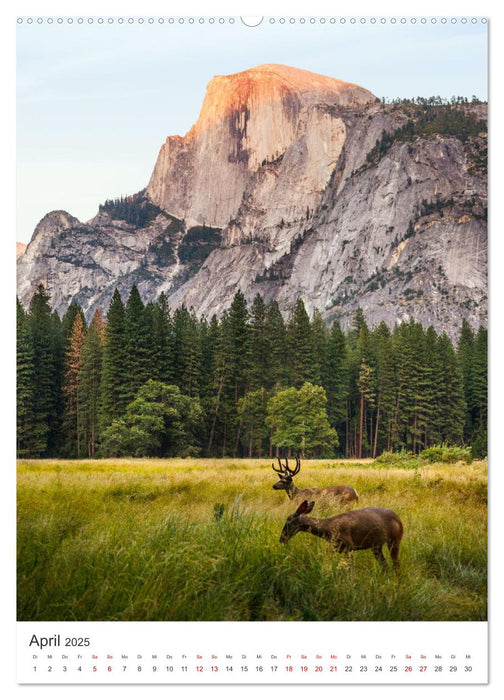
<point>96,101</point>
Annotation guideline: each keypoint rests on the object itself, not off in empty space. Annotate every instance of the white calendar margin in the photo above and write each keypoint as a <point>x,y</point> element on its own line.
<point>11,627</point>
<point>201,652</point>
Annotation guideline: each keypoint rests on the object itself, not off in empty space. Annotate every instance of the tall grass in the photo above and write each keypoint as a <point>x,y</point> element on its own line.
<point>199,540</point>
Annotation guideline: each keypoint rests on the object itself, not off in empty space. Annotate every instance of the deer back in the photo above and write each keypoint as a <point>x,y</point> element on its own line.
<point>366,528</point>
<point>343,494</point>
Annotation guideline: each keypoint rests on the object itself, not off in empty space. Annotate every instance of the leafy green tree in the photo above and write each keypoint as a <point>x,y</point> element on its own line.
<point>252,414</point>
<point>298,418</point>
<point>160,421</point>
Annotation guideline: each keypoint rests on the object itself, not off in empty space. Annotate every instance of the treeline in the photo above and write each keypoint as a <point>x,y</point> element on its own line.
<point>153,381</point>
<point>433,101</point>
<point>136,210</point>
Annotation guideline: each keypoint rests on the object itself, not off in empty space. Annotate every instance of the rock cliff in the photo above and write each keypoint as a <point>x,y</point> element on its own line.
<point>292,184</point>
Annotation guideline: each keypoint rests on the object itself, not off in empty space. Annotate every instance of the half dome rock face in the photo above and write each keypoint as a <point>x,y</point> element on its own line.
<point>291,185</point>
<point>247,121</point>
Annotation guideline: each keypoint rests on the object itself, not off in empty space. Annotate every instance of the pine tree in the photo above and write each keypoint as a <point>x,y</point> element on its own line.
<point>276,341</point>
<point>71,388</point>
<point>260,349</point>
<point>465,357</point>
<point>45,340</point>
<point>479,398</point>
<point>162,353</point>
<point>221,410</point>
<point>90,383</point>
<point>138,344</point>
<point>450,394</point>
<point>414,393</point>
<point>187,351</point>
<point>335,379</point>
<point>114,376</point>
<point>239,361</point>
<point>68,320</point>
<point>320,334</point>
<point>25,385</point>
<point>386,389</point>
<point>301,352</point>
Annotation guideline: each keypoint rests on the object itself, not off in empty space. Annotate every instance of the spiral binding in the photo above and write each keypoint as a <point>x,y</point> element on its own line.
<point>232,20</point>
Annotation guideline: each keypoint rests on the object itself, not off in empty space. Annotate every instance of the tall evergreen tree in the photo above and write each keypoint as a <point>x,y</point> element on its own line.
<point>386,389</point>
<point>162,348</point>
<point>114,389</point>
<point>276,339</point>
<point>220,409</point>
<point>71,389</point>
<point>46,345</point>
<point>450,394</point>
<point>465,357</point>
<point>138,343</point>
<point>90,383</point>
<point>260,348</point>
<point>301,347</point>
<point>479,399</point>
<point>25,385</point>
<point>187,351</point>
<point>320,334</point>
<point>335,379</point>
<point>239,361</point>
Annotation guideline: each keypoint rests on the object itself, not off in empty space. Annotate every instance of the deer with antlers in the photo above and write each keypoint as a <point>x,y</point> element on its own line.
<point>367,528</point>
<point>344,494</point>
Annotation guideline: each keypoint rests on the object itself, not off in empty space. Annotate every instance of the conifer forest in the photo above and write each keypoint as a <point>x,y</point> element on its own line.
<point>144,380</point>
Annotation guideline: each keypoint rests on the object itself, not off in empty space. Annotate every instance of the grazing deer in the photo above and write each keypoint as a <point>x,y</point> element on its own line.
<point>344,494</point>
<point>367,528</point>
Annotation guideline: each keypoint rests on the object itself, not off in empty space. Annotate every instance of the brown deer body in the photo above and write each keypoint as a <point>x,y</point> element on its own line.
<point>367,528</point>
<point>344,494</point>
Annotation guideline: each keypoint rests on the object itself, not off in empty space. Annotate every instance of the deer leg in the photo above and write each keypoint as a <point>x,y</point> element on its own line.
<point>378,554</point>
<point>394,553</point>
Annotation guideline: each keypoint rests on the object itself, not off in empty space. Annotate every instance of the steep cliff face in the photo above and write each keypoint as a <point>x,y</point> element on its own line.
<point>247,119</point>
<point>292,184</point>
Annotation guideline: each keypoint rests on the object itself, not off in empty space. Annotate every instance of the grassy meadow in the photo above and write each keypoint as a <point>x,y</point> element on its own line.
<point>189,539</point>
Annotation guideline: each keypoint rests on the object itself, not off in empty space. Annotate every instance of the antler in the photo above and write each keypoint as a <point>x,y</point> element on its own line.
<point>285,469</point>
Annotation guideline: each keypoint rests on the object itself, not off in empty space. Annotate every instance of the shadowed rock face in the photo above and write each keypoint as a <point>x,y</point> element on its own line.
<point>277,189</point>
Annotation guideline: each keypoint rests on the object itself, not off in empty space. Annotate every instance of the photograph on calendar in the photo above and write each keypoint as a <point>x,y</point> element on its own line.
<point>251,319</point>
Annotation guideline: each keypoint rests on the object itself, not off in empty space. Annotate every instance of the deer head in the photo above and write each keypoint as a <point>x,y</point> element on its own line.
<point>286,474</point>
<point>294,522</point>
